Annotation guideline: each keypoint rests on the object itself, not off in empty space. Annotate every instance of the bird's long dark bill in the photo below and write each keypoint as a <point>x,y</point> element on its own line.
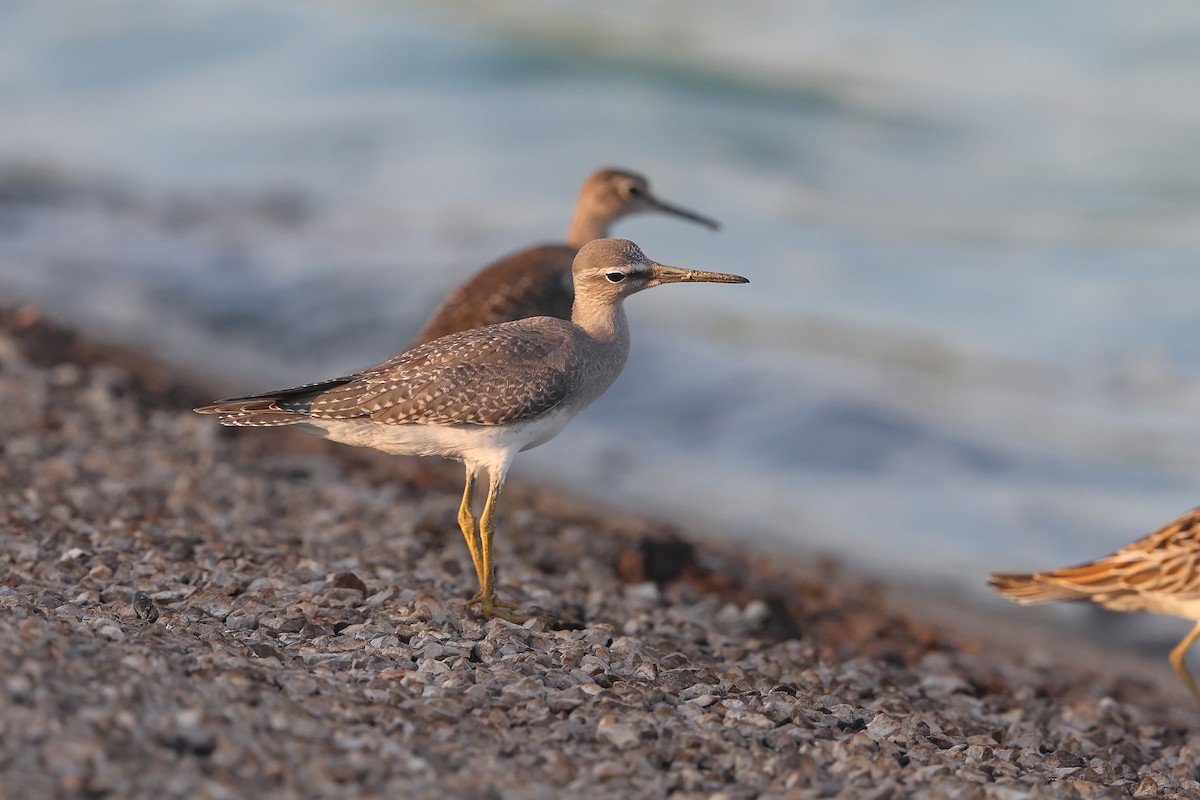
<point>665,274</point>
<point>667,208</point>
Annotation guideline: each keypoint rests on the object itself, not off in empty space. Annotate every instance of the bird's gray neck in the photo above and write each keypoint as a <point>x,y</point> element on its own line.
<point>587,225</point>
<point>603,321</point>
<point>603,347</point>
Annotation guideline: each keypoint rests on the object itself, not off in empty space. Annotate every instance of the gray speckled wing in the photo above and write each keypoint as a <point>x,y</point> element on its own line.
<point>492,376</point>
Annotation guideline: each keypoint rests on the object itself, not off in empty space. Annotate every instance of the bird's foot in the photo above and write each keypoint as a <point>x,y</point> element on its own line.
<point>494,607</point>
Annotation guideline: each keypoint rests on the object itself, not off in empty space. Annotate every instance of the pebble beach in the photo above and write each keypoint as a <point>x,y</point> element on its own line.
<point>195,612</point>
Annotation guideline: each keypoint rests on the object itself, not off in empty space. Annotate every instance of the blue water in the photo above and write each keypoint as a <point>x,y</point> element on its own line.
<point>969,340</point>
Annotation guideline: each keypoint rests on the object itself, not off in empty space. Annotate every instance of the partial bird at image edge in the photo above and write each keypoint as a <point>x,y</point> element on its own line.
<point>1159,573</point>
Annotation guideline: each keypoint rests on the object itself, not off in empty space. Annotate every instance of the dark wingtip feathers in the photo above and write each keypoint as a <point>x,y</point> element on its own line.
<point>270,409</point>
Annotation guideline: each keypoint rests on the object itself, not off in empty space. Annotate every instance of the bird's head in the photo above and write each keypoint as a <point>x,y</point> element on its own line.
<point>612,269</point>
<point>609,194</point>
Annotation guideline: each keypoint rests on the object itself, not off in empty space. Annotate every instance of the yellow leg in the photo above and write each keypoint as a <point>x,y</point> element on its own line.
<point>486,599</point>
<point>466,522</point>
<point>1178,660</point>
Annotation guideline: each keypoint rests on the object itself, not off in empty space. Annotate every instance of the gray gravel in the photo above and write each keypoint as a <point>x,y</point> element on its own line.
<point>192,612</point>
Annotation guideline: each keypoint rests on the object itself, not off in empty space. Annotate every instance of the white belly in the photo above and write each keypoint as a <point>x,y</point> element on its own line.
<point>486,443</point>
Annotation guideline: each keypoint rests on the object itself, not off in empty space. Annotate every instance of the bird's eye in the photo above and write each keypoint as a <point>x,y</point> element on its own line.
<point>615,277</point>
<point>629,190</point>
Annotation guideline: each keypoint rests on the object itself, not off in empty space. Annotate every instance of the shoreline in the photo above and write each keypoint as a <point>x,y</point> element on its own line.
<point>307,593</point>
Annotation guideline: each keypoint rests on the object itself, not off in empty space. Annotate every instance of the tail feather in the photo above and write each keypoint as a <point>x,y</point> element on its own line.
<point>271,409</point>
<point>1031,589</point>
<point>262,419</point>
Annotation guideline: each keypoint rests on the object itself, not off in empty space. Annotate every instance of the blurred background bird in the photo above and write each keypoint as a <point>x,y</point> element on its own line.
<point>537,281</point>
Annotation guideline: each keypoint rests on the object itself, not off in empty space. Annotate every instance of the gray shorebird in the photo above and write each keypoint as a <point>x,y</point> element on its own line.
<point>537,281</point>
<point>483,395</point>
<point>1159,573</point>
